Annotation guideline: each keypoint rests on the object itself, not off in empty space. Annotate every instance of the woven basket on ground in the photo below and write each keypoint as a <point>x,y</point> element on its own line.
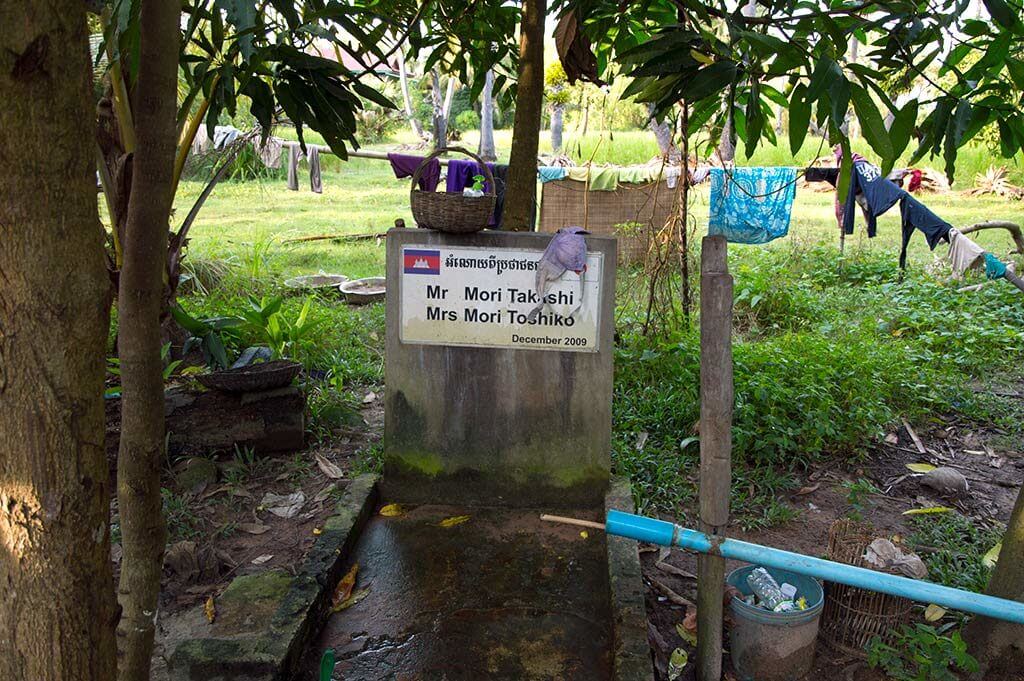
<point>451,211</point>
<point>852,616</point>
<point>252,378</point>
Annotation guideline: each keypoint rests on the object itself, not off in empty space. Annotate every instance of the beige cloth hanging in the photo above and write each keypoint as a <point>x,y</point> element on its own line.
<point>964,254</point>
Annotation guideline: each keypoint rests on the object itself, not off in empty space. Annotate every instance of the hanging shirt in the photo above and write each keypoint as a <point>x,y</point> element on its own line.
<point>917,216</point>
<point>751,205</point>
<point>500,184</point>
<point>578,173</point>
<point>404,165</point>
<point>604,179</point>
<point>461,172</point>
<point>636,174</point>
<point>293,167</point>
<point>964,254</point>
<point>880,194</point>
<point>315,183</point>
<point>552,173</point>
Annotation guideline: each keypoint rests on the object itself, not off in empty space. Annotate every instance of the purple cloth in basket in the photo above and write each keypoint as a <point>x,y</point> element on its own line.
<point>461,172</point>
<point>405,165</point>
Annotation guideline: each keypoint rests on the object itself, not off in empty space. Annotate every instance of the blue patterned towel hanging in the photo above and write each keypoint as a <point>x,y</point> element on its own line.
<point>751,205</point>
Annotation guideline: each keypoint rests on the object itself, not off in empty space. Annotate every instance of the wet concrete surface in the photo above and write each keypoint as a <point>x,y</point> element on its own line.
<point>502,595</point>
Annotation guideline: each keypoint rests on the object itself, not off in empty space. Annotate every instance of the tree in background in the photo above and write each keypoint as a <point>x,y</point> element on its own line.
<point>486,150</point>
<point>57,607</point>
<point>441,108</point>
<point>521,188</point>
<point>558,96</point>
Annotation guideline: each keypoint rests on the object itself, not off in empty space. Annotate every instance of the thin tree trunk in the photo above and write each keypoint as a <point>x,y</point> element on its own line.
<point>486,149</point>
<point>57,608</point>
<point>662,132</point>
<point>403,79</point>
<point>557,116</point>
<point>440,121</point>
<point>992,639</point>
<point>139,307</point>
<point>449,93</point>
<point>586,116</point>
<point>521,192</point>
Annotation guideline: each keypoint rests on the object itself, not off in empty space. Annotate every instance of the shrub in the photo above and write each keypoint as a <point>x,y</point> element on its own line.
<point>921,653</point>
<point>467,120</point>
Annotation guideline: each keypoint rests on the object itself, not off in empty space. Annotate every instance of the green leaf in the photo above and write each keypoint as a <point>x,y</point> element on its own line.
<point>991,557</point>
<point>902,127</point>
<point>1003,14</point>
<point>187,322</point>
<point>873,127</point>
<point>799,118</point>
<point>708,80</point>
<point>215,346</point>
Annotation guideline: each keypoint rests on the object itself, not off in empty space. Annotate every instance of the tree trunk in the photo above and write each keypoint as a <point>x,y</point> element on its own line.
<point>57,608</point>
<point>662,132</point>
<point>727,145</point>
<point>486,149</point>
<point>992,639</point>
<point>439,120</point>
<point>403,79</point>
<point>139,306</point>
<point>557,115</point>
<point>521,192</point>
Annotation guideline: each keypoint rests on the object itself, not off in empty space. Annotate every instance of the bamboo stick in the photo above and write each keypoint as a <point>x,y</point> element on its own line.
<point>572,521</point>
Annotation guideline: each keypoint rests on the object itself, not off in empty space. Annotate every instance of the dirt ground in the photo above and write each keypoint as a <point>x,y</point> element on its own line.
<point>994,473</point>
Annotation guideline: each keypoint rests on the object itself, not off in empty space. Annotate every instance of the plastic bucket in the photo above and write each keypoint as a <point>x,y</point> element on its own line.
<point>774,646</point>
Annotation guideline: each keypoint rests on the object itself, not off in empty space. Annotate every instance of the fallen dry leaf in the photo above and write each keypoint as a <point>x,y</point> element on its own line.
<point>920,467</point>
<point>317,531</point>
<point>583,533</point>
<point>991,557</point>
<point>210,610</point>
<point>283,506</point>
<point>370,397</point>
<point>392,510</point>
<point>260,560</point>
<point>934,613</point>
<point>344,589</point>
<point>807,490</point>
<point>454,520</point>
<point>690,621</point>
<point>351,600</point>
<point>687,635</point>
<point>324,493</point>
<point>252,528</point>
<point>892,439</point>
<point>327,468</point>
<point>929,510</point>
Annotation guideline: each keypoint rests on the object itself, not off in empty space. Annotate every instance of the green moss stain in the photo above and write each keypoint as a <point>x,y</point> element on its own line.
<point>425,463</point>
<point>272,585</point>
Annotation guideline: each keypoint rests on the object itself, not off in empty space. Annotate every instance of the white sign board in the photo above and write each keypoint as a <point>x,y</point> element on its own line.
<point>483,297</point>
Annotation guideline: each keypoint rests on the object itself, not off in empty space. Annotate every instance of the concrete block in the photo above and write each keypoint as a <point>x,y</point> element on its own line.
<point>506,426</point>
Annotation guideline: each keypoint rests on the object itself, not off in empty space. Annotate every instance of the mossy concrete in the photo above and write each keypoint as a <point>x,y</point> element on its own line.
<point>631,651</point>
<point>265,620</point>
<point>496,426</point>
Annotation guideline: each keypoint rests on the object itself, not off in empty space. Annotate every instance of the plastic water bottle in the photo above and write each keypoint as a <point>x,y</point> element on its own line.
<point>769,591</point>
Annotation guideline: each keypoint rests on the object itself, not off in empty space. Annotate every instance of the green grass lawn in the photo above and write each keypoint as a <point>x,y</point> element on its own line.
<point>362,195</point>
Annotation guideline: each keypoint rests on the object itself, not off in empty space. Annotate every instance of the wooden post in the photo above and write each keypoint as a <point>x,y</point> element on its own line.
<point>716,402</point>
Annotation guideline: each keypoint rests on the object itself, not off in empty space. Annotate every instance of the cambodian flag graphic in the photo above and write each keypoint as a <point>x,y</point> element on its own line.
<point>422,262</point>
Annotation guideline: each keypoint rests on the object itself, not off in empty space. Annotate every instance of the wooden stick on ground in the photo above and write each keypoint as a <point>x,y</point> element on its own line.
<point>913,436</point>
<point>572,521</point>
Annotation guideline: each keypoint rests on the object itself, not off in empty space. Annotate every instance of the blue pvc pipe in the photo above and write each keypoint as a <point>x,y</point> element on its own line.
<point>668,534</point>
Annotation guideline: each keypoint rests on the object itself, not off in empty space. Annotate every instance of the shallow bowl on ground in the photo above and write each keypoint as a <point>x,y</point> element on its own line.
<point>316,282</point>
<point>253,377</point>
<point>362,291</point>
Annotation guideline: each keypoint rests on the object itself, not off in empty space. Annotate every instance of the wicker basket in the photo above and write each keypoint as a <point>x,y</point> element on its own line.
<point>252,378</point>
<point>451,211</point>
<point>853,616</point>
